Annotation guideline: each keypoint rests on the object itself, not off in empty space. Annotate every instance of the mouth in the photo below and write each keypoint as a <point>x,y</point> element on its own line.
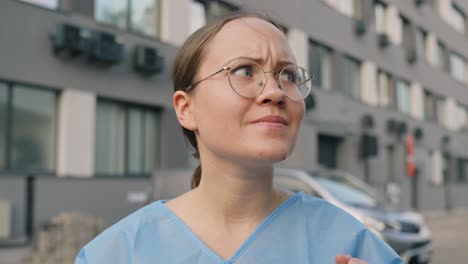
<point>271,121</point>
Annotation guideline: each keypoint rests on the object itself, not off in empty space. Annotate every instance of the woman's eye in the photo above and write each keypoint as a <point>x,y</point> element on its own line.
<point>243,71</point>
<point>288,76</point>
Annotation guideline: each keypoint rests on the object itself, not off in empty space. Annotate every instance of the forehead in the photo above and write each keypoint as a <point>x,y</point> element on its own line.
<point>252,37</point>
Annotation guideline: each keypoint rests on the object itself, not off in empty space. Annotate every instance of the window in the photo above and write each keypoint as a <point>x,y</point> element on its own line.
<point>51,4</point>
<point>442,56</point>
<point>421,42</point>
<point>462,170</point>
<point>462,117</point>
<point>403,96</point>
<point>126,139</point>
<point>405,33</point>
<point>202,11</point>
<point>351,8</point>
<point>379,10</point>
<point>434,107</point>
<point>27,128</point>
<point>351,77</point>
<point>457,19</point>
<point>3,123</point>
<point>457,67</point>
<point>141,16</point>
<point>385,89</point>
<point>320,64</point>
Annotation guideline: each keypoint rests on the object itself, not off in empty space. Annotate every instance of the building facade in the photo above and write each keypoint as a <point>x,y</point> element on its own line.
<point>85,89</point>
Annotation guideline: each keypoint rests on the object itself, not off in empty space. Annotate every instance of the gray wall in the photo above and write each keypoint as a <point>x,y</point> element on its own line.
<point>109,198</point>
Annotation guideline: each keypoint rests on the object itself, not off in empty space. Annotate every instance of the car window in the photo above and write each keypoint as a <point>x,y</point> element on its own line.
<point>293,184</point>
<point>347,193</point>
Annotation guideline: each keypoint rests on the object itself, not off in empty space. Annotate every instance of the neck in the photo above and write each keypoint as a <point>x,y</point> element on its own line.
<point>235,194</point>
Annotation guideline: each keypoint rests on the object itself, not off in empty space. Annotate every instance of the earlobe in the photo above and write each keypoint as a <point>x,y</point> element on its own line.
<point>183,107</point>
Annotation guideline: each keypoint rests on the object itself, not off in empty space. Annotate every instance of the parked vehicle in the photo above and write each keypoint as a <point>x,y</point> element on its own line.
<point>405,231</point>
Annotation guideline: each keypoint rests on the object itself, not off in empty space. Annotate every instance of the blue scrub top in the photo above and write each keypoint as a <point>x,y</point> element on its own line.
<point>303,229</point>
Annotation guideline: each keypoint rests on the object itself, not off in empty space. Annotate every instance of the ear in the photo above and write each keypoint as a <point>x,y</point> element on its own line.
<point>183,107</point>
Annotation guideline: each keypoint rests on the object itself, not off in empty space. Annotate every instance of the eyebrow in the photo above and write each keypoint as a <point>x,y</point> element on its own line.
<point>260,60</point>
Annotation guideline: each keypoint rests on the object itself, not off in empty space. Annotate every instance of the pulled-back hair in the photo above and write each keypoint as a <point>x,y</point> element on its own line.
<point>188,61</point>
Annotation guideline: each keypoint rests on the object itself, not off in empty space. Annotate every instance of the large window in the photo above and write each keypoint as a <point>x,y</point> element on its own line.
<point>421,42</point>
<point>457,66</point>
<point>386,89</point>
<point>351,77</point>
<point>320,65</point>
<point>351,8</point>
<point>462,170</point>
<point>462,117</point>
<point>141,16</point>
<point>403,96</point>
<point>126,139</point>
<point>202,11</point>
<point>457,19</point>
<point>3,123</point>
<point>442,56</point>
<point>27,128</point>
<point>405,33</point>
<point>434,107</point>
<point>51,4</point>
<point>380,10</point>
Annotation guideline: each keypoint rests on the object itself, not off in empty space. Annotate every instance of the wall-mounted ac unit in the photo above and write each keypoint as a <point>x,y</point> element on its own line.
<point>5,219</point>
<point>360,27</point>
<point>383,40</point>
<point>147,60</point>
<point>71,39</point>
<point>105,48</point>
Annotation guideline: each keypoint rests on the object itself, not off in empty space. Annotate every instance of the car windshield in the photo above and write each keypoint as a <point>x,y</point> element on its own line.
<point>347,192</point>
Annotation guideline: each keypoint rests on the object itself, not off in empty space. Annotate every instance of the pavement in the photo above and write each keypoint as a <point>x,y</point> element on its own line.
<point>450,237</point>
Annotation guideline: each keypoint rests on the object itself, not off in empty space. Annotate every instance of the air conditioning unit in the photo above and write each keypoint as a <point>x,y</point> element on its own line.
<point>360,27</point>
<point>419,2</point>
<point>383,40</point>
<point>147,60</point>
<point>5,219</point>
<point>412,56</point>
<point>71,39</point>
<point>105,49</point>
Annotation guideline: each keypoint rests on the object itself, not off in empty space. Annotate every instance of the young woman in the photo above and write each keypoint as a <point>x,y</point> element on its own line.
<point>239,97</point>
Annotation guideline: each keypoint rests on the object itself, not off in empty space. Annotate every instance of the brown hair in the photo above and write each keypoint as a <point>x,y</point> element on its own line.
<point>188,61</point>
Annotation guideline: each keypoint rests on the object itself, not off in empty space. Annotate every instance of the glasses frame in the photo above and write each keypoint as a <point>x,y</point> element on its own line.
<point>229,68</point>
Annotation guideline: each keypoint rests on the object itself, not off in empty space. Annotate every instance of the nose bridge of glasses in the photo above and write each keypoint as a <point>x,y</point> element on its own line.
<point>275,78</point>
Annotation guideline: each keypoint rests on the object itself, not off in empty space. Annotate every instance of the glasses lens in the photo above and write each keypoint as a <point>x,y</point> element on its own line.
<point>296,82</point>
<point>247,78</point>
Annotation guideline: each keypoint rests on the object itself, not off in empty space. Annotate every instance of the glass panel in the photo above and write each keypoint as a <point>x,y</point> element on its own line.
<point>383,89</point>
<point>440,109</point>
<point>403,97</point>
<point>197,15</point>
<point>34,129</point>
<point>421,44</point>
<point>457,19</point>
<point>457,67</point>
<point>151,141</point>
<point>136,141</point>
<point>379,17</point>
<point>51,4</point>
<point>351,77</point>
<point>429,106</point>
<point>145,16</point>
<point>441,55</point>
<point>3,125</point>
<point>110,138</point>
<point>405,33</point>
<point>113,12</point>
<point>320,65</point>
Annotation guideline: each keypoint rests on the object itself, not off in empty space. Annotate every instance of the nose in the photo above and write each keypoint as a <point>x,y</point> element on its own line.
<point>272,93</point>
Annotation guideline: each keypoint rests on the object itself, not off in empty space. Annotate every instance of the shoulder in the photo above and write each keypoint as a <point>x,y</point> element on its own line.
<point>118,240</point>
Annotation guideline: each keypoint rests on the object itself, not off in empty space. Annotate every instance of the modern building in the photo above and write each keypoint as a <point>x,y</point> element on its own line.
<point>85,95</point>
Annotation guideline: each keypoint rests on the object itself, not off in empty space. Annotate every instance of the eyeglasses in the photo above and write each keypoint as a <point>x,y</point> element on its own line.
<point>248,79</point>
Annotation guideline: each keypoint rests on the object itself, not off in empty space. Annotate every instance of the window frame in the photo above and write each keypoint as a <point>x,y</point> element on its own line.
<point>9,125</point>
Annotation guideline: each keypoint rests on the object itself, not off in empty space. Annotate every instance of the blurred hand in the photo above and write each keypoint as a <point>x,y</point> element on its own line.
<point>347,259</point>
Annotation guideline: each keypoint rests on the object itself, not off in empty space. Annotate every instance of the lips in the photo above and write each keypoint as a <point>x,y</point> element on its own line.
<point>272,119</point>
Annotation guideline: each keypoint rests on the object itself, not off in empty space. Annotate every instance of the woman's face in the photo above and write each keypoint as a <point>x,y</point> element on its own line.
<point>258,131</point>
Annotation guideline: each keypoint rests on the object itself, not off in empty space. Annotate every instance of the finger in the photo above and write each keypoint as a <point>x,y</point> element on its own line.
<point>342,259</point>
<point>356,261</point>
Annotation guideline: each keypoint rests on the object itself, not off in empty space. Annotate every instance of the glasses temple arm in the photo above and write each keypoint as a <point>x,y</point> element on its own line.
<point>193,85</point>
